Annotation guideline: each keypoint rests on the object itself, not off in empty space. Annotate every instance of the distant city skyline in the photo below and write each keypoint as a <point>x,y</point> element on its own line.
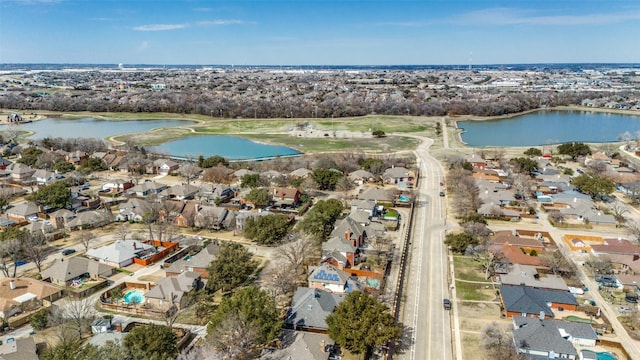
<point>310,32</point>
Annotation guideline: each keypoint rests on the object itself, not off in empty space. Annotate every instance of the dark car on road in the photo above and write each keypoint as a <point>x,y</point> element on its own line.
<point>447,304</point>
<point>66,252</point>
<point>441,193</point>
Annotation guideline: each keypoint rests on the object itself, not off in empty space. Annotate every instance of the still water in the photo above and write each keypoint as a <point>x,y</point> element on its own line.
<point>230,147</point>
<point>89,127</point>
<point>549,127</point>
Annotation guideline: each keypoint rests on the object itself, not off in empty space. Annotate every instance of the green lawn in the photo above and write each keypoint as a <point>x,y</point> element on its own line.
<point>467,268</point>
<point>473,291</point>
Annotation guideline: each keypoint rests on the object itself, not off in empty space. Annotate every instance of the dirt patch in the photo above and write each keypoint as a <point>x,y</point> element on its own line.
<point>134,267</point>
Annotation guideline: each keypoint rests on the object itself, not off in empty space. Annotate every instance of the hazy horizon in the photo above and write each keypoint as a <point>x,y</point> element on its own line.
<point>325,33</point>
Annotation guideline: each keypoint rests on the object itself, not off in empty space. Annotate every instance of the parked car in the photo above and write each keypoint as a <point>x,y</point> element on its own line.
<point>447,304</point>
<point>631,299</point>
<point>66,252</point>
<point>21,262</point>
<point>442,193</point>
<point>625,309</point>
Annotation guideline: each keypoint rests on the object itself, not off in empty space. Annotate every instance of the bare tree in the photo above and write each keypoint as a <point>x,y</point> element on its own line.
<point>235,337</point>
<point>487,260</point>
<point>190,172</point>
<point>599,264</point>
<point>79,312</point>
<point>556,217</point>
<point>498,342</point>
<point>619,210</point>
<point>170,315</point>
<point>10,252</point>
<point>280,279</point>
<point>295,252</point>
<point>122,230</point>
<point>85,237</point>
<point>34,247</point>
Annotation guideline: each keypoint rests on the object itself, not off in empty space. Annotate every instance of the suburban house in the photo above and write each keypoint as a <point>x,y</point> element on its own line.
<point>212,193</point>
<point>368,206</point>
<point>198,263</point>
<point>626,264</point>
<point>549,338</point>
<point>212,217</point>
<point>147,188</point>
<point>75,157</point>
<point>20,172</point>
<point>397,175</point>
<point>376,194</point>
<point>330,278</point>
<point>45,177</point>
<point>476,161</point>
<point>63,271</point>
<point>121,253</point>
<point>172,290</point>
<point>4,163</point>
<point>242,216</point>
<point>89,220</point>
<point>301,345</point>
<point>180,192</point>
<point>615,246</point>
<point>24,294</point>
<point>351,230</point>
<point>361,177</point>
<point>284,196</point>
<point>163,167</point>
<point>310,307</point>
<point>60,217</point>
<point>133,210</point>
<point>300,173</point>
<point>339,252</point>
<point>521,300</point>
<point>23,348</point>
<point>529,276</point>
<point>23,211</point>
<point>117,185</point>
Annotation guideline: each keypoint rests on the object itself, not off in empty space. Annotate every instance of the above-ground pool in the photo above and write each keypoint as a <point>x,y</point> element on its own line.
<point>601,355</point>
<point>134,297</point>
<point>403,198</point>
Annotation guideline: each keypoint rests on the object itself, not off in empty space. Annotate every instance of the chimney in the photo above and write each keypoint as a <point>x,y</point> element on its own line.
<point>134,246</point>
<point>636,257</point>
<point>12,284</point>
<point>323,346</point>
<point>347,235</point>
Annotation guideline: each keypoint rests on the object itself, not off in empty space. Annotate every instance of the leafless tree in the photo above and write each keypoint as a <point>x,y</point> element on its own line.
<point>295,252</point>
<point>35,248</point>
<point>85,237</point>
<point>558,264</point>
<point>122,230</point>
<point>599,264</point>
<point>618,210</point>
<point>498,342</point>
<point>235,337</point>
<point>170,315</point>
<point>217,174</point>
<point>633,229</point>
<point>487,260</point>
<point>10,252</point>
<point>79,312</point>
<point>556,217</point>
<point>190,172</point>
<point>280,279</point>
<point>598,166</point>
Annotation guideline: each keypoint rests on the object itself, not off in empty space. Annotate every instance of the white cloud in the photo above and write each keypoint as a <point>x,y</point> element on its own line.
<point>221,22</point>
<point>159,27</point>
<point>143,46</point>
<point>511,16</point>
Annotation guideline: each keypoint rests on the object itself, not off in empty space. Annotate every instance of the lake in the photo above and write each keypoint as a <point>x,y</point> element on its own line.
<point>90,127</point>
<point>549,127</point>
<point>230,147</point>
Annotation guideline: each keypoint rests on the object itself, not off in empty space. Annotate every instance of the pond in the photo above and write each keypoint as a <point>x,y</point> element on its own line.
<point>230,147</point>
<point>549,127</point>
<point>90,127</point>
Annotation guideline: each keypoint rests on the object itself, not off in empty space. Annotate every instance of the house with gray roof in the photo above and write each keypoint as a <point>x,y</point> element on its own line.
<point>180,192</point>
<point>396,175</point>
<point>339,252</point>
<point>120,253</point>
<point>361,177</point>
<point>528,275</point>
<point>22,211</point>
<point>330,278</point>
<point>20,172</point>
<point>147,188</point>
<point>23,348</point>
<point>211,217</point>
<point>195,263</point>
<point>301,345</point>
<point>375,194</point>
<point>310,307</point>
<point>351,230</point>
<point>549,338</point>
<point>89,220</point>
<point>521,300</point>
<point>366,205</point>
<point>63,271</point>
<point>172,290</point>
<point>300,173</point>
<point>133,210</point>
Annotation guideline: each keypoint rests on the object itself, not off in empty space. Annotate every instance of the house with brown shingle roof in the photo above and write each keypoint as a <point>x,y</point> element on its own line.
<point>615,246</point>
<point>23,294</point>
<point>285,196</point>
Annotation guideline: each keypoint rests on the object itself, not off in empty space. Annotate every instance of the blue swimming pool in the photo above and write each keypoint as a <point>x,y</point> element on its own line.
<point>134,297</point>
<point>602,355</point>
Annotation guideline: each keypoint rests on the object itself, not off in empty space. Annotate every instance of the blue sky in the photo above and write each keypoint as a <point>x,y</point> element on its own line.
<point>319,32</point>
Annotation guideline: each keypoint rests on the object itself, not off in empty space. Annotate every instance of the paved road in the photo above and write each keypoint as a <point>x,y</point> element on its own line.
<point>428,334</point>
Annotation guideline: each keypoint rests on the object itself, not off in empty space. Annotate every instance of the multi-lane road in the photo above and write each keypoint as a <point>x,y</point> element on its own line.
<point>428,324</point>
